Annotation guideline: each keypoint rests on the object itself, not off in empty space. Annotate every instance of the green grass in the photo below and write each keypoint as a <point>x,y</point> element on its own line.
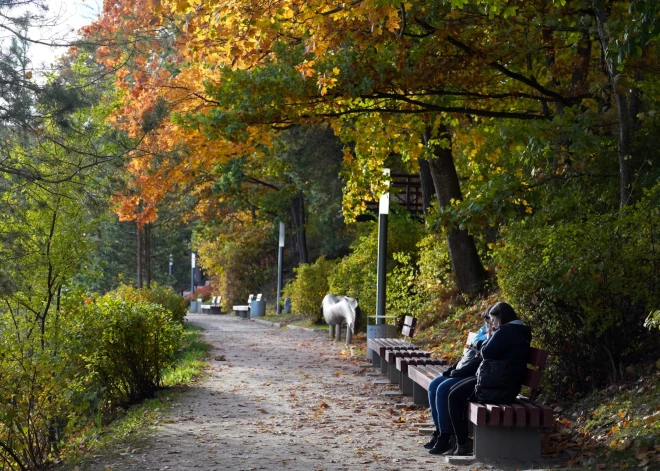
<point>132,426</point>
<point>190,362</point>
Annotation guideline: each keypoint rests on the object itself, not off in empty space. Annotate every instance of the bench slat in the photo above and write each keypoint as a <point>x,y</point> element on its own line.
<point>507,415</point>
<point>410,321</point>
<point>546,413</point>
<point>418,377</point>
<point>477,413</point>
<point>532,378</point>
<point>520,414</point>
<point>533,414</point>
<point>538,357</point>
<point>494,414</point>
<point>407,331</point>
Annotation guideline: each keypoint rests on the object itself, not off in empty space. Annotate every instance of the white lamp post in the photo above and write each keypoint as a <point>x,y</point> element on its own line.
<point>280,257</point>
<point>381,288</point>
<point>192,275</point>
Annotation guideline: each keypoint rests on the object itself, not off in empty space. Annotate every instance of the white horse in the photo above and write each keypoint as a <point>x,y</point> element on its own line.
<point>338,310</point>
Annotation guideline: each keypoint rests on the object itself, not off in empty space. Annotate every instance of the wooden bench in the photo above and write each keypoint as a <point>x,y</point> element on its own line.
<point>243,311</point>
<point>513,430</point>
<point>379,346</point>
<point>398,362</point>
<point>214,307</point>
<point>500,430</point>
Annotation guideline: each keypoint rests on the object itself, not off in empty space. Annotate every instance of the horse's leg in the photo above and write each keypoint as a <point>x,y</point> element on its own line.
<point>332,334</point>
<point>349,334</point>
<point>338,332</point>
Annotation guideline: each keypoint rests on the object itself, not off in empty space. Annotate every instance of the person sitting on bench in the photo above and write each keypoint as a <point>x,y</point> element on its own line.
<point>439,389</point>
<point>500,374</point>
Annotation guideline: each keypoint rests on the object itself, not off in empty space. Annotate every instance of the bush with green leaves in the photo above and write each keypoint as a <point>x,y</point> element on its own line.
<point>405,296</point>
<point>585,286</point>
<point>355,275</point>
<point>309,287</point>
<point>134,342</point>
<point>35,382</point>
<point>239,256</point>
<point>417,282</point>
<point>161,295</point>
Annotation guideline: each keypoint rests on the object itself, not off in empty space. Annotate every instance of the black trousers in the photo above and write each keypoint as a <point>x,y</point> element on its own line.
<point>457,403</point>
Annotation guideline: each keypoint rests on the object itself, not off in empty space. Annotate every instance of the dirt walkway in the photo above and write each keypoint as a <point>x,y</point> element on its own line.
<point>283,399</point>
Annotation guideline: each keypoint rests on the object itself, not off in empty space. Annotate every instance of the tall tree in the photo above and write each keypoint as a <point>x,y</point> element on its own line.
<point>252,68</point>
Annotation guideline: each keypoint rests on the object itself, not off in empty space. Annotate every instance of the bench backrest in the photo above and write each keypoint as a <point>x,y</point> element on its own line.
<point>408,329</point>
<point>536,362</point>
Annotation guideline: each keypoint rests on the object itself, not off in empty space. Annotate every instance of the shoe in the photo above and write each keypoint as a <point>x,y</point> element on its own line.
<point>434,438</point>
<point>442,445</point>
<point>463,450</point>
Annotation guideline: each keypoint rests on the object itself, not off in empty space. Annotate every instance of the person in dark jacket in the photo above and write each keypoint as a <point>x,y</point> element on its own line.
<point>440,386</point>
<point>499,376</point>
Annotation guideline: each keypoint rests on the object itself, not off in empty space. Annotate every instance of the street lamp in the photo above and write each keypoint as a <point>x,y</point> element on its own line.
<point>192,276</point>
<point>280,256</point>
<point>383,211</point>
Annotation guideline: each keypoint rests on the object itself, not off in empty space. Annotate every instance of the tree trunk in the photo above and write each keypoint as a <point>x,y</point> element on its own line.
<point>297,210</point>
<point>625,128</point>
<point>302,232</point>
<point>426,181</point>
<point>139,255</point>
<point>147,254</point>
<point>466,264</point>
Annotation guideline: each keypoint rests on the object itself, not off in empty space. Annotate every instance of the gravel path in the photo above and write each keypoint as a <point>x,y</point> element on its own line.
<point>284,399</point>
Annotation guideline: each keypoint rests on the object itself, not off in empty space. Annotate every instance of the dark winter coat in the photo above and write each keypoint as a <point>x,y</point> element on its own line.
<point>502,371</point>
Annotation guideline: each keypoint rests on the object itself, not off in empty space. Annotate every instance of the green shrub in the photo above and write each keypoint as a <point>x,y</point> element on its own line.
<point>134,342</point>
<point>309,287</point>
<point>171,301</point>
<point>355,275</point>
<point>157,294</point>
<point>585,286</point>
<point>238,255</point>
<point>34,391</point>
<point>404,294</point>
<point>435,273</point>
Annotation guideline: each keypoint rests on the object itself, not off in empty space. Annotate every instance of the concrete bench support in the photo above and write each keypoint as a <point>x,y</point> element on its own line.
<point>420,396</point>
<point>519,443</point>
<point>242,311</point>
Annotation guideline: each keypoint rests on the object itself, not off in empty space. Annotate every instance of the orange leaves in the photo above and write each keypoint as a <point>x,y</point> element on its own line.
<point>306,69</point>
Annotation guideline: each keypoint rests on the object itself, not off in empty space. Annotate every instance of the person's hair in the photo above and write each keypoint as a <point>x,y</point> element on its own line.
<point>503,312</point>
<point>486,314</point>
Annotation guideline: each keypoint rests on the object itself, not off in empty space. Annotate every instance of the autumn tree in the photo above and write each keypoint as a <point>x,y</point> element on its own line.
<point>386,75</point>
